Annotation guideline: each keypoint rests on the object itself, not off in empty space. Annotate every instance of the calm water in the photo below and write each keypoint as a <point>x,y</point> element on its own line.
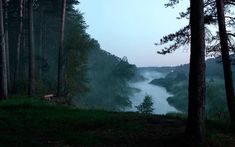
<point>159,94</point>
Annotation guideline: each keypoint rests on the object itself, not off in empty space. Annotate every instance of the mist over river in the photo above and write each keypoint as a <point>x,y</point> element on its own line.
<point>159,94</point>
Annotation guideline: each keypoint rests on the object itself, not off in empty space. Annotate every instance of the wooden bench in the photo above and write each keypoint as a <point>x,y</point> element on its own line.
<point>48,97</point>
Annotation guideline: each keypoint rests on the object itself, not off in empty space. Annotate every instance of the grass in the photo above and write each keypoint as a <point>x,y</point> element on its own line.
<point>33,122</point>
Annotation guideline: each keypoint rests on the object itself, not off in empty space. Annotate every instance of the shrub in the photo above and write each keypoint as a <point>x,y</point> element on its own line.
<point>146,107</point>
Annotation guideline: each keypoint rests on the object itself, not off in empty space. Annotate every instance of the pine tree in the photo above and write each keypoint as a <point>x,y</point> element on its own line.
<point>18,46</point>
<point>3,67</point>
<point>61,64</point>
<point>31,86</point>
<point>226,59</point>
<point>196,91</point>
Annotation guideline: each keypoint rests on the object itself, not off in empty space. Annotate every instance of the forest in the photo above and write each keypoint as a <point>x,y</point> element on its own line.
<point>176,83</point>
<point>59,87</point>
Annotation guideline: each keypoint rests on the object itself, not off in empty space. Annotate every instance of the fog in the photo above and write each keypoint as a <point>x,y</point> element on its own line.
<point>159,94</point>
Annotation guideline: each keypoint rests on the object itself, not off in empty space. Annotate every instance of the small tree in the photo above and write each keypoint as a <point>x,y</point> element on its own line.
<point>146,107</point>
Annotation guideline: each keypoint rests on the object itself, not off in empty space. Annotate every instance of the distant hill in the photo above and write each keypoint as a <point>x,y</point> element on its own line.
<point>214,67</point>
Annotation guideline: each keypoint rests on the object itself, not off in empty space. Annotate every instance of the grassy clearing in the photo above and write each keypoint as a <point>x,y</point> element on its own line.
<point>33,122</point>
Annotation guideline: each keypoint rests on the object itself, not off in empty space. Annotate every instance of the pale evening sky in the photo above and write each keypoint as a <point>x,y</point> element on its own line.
<point>131,27</point>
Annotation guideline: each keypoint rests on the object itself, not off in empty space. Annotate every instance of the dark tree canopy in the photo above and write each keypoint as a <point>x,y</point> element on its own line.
<point>181,38</point>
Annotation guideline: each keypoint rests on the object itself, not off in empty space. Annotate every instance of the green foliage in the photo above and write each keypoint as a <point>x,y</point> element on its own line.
<point>47,22</point>
<point>179,100</point>
<point>179,79</point>
<point>108,79</point>
<point>124,70</point>
<point>78,45</point>
<point>216,104</point>
<point>176,83</point>
<point>146,107</point>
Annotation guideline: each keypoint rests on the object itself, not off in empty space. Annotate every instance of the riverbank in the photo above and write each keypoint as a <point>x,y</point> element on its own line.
<point>159,94</point>
<point>33,122</point>
<point>177,83</point>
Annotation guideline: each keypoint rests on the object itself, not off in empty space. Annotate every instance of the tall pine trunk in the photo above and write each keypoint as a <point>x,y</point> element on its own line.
<point>41,41</point>
<point>31,86</point>
<point>196,91</point>
<point>226,59</point>
<point>61,64</point>
<point>18,46</point>
<point>25,49</point>
<point>3,67</point>
<point>44,39</point>
<point>5,3</point>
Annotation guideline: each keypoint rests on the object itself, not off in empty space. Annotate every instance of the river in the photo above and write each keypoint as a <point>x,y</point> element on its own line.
<point>159,94</point>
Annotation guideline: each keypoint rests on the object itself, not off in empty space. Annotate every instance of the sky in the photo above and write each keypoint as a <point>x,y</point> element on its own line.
<point>131,28</point>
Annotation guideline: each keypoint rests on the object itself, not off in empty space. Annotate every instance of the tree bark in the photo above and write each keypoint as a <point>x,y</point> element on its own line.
<point>196,91</point>
<point>5,3</point>
<point>61,66</point>
<point>31,86</point>
<point>18,46</point>
<point>42,38</point>
<point>226,59</point>
<point>41,41</point>
<point>3,67</point>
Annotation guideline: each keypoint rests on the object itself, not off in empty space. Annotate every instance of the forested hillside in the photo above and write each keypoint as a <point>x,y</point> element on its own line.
<point>85,67</point>
<point>46,32</point>
<point>59,87</point>
<point>176,82</point>
<point>109,72</point>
